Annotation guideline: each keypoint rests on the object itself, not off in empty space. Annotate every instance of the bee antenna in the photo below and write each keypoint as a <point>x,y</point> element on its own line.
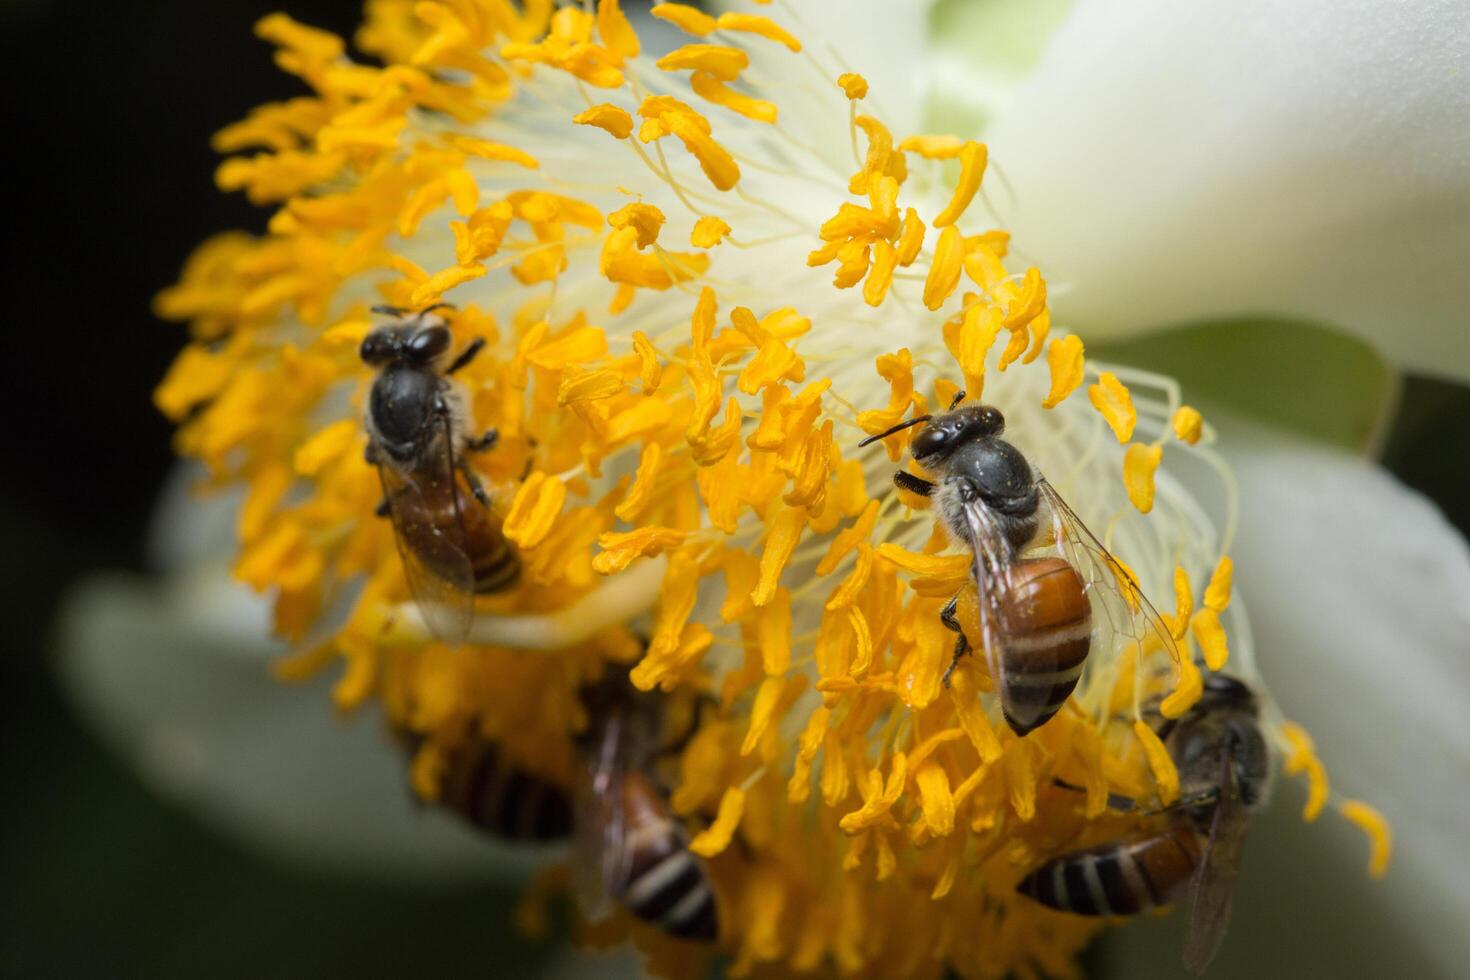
<point>386,310</point>
<point>959,396</point>
<point>437,306</point>
<point>897,428</point>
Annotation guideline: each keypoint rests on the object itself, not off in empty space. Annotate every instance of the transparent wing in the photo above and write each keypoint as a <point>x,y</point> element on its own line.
<point>991,570</point>
<point>600,855</point>
<point>1214,882</point>
<point>1118,602</point>
<point>428,522</point>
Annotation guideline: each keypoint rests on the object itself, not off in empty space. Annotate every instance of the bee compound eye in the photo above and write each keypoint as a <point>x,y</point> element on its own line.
<point>932,440</point>
<point>430,341</point>
<point>373,350</point>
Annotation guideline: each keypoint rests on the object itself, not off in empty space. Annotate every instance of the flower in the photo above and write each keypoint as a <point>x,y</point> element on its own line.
<point>768,513</point>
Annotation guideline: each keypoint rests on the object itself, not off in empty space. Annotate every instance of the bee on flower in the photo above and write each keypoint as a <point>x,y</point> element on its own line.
<point>693,295</point>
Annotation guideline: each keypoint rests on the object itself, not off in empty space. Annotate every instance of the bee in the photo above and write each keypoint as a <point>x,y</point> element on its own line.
<point>1224,771</point>
<point>628,848</point>
<point>1035,615</point>
<point>493,794</point>
<point>453,547</point>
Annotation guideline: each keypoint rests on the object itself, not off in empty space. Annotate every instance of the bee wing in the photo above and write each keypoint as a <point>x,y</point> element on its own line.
<point>428,522</point>
<point>991,570</point>
<point>1214,882</point>
<point>1114,591</point>
<point>600,855</point>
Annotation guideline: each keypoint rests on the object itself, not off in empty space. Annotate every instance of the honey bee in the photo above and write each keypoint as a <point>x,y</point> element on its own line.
<point>1035,615</point>
<point>452,548</point>
<point>1224,771</point>
<point>493,794</point>
<point>628,848</point>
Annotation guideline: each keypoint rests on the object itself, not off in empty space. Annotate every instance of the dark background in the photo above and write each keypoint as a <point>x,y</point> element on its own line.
<point>110,111</point>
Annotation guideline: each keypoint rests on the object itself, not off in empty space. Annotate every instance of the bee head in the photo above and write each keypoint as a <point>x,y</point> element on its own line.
<point>946,433</point>
<point>1225,691</point>
<point>418,341</point>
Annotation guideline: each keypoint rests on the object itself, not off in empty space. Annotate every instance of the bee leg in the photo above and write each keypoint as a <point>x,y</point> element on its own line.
<point>1188,802</point>
<point>905,480</point>
<point>485,442</point>
<point>382,509</point>
<point>466,355</point>
<point>961,644</point>
<point>476,487</point>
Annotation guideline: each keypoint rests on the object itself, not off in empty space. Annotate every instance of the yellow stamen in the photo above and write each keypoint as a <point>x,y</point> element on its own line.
<point>688,19</point>
<point>1064,357</point>
<point>1115,404</point>
<point>973,157</point>
<point>755,24</point>
<point>1166,776</point>
<point>607,117</point>
<point>717,836</point>
<point>1217,593</point>
<point>853,85</point>
<point>1380,834</point>
<point>1139,463</point>
<point>1187,424</point>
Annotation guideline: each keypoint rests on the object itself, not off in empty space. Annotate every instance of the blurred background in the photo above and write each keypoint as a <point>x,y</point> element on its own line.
<point>111,111</point>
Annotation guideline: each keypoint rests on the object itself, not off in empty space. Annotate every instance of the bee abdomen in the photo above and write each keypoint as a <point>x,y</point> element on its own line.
<point>505,800</point>
<point>667,885</point>
<point>673,894</point>
<point>1048,635</point>
<point>494,560</point>
<point>1118,879</point>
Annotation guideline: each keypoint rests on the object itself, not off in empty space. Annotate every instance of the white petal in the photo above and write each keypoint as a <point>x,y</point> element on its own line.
<point>1174,161</point>
<point>175,678</point>
<point>1359,597</point>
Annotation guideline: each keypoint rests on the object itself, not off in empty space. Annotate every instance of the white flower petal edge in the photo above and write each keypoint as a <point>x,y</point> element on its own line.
<point>1360,592</point>
<point>1175,161</point>
<point>174,677</point>
<point>1359,595</point>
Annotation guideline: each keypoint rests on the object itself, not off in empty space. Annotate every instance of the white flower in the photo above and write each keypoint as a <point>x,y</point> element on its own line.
<point>1167,164</point>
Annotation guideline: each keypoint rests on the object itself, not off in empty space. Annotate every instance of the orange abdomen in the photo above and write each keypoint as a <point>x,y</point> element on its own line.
<point>446,524</point>
<point>1047,621</point>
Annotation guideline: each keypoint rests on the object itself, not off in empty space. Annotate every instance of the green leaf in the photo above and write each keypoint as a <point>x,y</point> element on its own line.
<point>1299,376</point>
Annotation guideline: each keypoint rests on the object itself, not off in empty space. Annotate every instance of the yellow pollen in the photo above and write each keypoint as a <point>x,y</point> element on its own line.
<point>678,465</point>
<point>1380,834</point>
<point>688,19</point>
<point>853,85</point>
<point>1187,424</point>
<point>1115,404</point>
<point>973,157</point>
<point>755,24</point>
<point>1064,356</point>
<point>1139,463</point>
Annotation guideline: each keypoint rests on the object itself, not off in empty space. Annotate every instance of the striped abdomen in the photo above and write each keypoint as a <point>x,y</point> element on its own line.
<point>496,562</point>
<point>502,798</point>
<point>1048,631</point>
<point>1118,879</point>
<point>666,885</point>
<point>445,525</point>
